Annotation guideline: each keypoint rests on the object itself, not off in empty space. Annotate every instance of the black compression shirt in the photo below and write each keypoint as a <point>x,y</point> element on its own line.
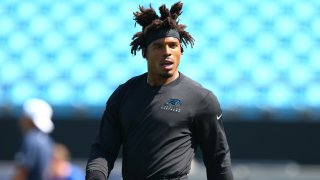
<point>160,128</point>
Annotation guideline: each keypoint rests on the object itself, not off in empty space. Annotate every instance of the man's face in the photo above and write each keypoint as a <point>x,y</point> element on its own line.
<point>163,56</point>
<point>25,123</point>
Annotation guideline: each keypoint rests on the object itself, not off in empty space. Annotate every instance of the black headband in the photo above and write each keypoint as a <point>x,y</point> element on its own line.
<point>161,33</point>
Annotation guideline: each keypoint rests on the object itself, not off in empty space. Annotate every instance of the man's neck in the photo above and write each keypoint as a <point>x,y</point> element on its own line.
<point>158,81</point>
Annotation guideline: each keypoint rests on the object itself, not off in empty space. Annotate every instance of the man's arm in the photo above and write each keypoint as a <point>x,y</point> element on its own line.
<point>25,158</point>
<point>105,148</point>
<point>212,140</point>
<point>97,169</point>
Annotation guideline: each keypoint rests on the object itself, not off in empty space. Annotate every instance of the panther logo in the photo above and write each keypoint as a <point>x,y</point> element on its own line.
<point>173,102</point>
<point>171,105</point>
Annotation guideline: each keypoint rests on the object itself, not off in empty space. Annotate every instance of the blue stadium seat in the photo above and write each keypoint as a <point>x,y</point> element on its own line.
<point>252,54</point>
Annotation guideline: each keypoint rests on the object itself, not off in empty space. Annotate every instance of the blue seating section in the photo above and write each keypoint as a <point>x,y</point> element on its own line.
<point>257,56</point>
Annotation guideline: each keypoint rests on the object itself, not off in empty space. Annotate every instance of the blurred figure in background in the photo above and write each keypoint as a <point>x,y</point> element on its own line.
<point>61,167</point>
<point>36,149</point>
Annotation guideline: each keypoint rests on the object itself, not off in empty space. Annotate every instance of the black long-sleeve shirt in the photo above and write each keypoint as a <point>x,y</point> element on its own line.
<point>160,128</point>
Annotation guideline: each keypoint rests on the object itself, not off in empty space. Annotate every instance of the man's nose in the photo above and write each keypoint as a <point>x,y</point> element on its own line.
<point>167,50</point>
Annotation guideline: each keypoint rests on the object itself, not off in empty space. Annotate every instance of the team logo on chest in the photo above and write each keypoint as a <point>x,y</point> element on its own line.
<point>172,104</point>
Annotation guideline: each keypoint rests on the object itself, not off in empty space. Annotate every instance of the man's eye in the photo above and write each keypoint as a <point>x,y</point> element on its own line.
<point>173,45</point>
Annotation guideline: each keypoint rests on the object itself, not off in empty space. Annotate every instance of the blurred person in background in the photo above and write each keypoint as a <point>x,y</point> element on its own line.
<point>161,116</point>
<point>61,166</point>
<point>36,149</point>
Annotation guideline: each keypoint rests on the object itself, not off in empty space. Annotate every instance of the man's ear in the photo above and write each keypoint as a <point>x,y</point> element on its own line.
<point>144,53</point>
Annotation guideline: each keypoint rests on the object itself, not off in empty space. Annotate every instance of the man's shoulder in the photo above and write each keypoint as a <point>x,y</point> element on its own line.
<point>34,135</point>
<point>133,80</point>
<point>194,86</point>
<point>136,78</point>
<point>37,141</point>
<point>126,86</point>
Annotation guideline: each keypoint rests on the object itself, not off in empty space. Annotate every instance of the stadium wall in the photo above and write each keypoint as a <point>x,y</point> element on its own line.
<point>249,141</point>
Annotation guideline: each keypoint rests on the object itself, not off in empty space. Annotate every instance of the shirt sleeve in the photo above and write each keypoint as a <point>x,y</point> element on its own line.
<point>211,138</point>
<point>105,148</point>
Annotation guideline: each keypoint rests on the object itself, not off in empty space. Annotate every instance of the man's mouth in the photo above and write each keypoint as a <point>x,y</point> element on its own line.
<point>167,64</point>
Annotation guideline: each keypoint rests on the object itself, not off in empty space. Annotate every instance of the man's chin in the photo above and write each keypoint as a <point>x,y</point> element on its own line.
<point>167,75</point>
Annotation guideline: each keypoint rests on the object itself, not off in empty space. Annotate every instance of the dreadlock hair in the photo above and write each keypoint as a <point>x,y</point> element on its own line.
<point>151,22</point>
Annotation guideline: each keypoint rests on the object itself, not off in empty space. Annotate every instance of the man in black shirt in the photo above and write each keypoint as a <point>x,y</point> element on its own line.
<point>160,117</point>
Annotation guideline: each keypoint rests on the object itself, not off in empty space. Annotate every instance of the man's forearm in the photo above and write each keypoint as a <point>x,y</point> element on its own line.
<point>224,175</point>
<point>97,169</point>
<point>95,175</point>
